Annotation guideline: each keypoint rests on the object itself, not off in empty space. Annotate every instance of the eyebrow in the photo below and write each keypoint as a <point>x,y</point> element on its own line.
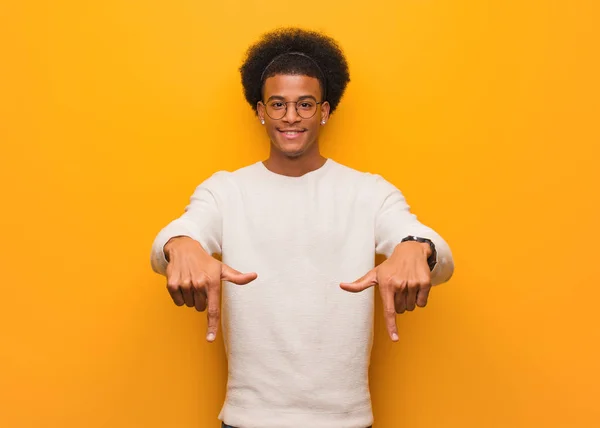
<point>279,97</point>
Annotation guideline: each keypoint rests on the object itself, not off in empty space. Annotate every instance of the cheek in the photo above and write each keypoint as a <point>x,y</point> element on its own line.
<point>272,129</point>
<point>314,127</point>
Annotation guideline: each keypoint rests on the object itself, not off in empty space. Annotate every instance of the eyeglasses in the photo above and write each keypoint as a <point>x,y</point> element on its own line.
<point>277,109</point>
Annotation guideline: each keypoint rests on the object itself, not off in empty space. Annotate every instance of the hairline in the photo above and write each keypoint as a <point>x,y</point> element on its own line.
<point>321,84</point>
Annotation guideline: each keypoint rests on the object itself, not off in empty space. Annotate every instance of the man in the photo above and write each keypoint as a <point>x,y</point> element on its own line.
<point>298,335</point>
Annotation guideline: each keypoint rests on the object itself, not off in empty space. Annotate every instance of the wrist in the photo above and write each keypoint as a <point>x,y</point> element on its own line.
<point>171,243</point>
<point>422,246</point>
<point>428,248</point>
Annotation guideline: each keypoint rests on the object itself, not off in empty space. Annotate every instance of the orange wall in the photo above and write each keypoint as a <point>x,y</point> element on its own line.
<point>485,114</point>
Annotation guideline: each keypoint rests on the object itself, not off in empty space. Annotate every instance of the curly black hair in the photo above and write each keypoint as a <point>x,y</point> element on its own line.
<point>298,52</point>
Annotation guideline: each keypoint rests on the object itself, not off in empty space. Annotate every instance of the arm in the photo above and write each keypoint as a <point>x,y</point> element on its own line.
<point>394,221</point>
<point>404,279</point>
<point>193,275</point>
<point>201,221</point>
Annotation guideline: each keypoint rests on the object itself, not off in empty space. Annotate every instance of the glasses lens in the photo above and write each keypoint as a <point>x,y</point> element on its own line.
<point>305,109</point>
<point>276,110</point>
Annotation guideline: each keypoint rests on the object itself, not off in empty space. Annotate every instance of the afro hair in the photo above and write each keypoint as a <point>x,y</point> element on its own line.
<point>298,52</point>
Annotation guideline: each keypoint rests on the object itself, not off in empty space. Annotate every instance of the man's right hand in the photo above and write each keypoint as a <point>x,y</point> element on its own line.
<point>194,279</point>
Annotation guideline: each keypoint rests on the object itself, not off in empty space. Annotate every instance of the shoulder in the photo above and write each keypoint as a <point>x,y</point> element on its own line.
<point>375,183</point>
<point>223,178</point>
<point>344,172</point>
<point>223,183</point>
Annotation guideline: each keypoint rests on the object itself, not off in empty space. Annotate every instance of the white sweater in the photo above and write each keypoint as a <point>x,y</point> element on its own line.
<point>298,346</point>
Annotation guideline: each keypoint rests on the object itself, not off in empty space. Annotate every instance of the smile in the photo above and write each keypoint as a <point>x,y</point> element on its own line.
<point>291,134</point>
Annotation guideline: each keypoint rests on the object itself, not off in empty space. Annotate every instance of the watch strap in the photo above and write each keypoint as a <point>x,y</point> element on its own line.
<point>432,259</point>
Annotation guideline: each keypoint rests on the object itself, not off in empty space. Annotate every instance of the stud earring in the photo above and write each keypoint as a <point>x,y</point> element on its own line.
<point>322,122</point>
<point>262,121</point>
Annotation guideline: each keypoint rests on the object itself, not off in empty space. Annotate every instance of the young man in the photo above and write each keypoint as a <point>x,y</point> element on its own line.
<point>297,331</point>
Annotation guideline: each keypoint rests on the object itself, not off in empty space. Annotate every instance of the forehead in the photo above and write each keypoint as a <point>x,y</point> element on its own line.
<point>291,86</point>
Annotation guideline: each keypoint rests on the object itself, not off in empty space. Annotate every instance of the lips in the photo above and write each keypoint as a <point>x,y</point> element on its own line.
<point>291,130</point>
<point>291,133</point>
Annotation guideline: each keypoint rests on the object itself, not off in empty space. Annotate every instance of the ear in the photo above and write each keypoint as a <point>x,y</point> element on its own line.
<point>260,111</point>
<point>325,109</point>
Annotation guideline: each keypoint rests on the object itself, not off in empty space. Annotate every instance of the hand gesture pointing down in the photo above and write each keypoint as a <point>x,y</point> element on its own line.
<point>194,279</point>
<point>404,282</point>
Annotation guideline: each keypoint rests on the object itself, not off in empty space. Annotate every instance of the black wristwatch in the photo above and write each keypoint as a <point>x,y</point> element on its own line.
<point>432,259</point>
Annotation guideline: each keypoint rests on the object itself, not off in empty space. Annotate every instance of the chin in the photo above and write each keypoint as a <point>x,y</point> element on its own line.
<point>293,155</point>
<point>292,152</point>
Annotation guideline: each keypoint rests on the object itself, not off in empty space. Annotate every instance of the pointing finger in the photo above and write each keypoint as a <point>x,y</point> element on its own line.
<point>214,310</point>
<point>389,312</point>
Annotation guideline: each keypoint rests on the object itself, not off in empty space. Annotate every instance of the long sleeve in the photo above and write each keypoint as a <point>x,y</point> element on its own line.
<point>394,221</point>
<point>201,221</point>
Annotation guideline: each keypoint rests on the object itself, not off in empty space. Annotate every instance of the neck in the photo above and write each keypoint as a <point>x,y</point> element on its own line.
<point>296,166</point>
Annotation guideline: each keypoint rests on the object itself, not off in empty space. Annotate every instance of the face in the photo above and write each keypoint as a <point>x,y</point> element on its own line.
<point>292,135</point>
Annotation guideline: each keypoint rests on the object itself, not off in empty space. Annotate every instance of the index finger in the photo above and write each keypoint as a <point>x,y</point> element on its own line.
<point>214,309</point>
<point>389,312</point>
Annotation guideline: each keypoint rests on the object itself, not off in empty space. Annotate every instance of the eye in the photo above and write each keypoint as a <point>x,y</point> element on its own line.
<point>305,105</point>
<point>277,105</point>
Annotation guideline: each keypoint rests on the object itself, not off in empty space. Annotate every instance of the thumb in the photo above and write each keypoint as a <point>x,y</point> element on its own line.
<point>232,275</point>
<point>364,282</point>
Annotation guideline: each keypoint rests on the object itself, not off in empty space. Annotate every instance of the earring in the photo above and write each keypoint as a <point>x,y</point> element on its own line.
<point>262,121</point>
<point>322,122</point>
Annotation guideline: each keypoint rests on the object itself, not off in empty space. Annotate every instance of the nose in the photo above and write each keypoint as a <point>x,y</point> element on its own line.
<point>291,115</point>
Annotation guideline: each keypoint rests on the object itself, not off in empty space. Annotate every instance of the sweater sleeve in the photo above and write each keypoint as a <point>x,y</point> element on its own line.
<point>201,221</point>
<point>394,221</point>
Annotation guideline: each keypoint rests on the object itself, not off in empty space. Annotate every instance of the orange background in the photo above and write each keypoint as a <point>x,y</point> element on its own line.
<point>484,113</point>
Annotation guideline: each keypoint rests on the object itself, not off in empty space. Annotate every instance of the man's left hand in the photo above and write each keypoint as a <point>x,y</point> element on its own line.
<point>404,282</point>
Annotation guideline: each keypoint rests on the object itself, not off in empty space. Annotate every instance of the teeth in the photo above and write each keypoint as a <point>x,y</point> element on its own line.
<point>291,133</point>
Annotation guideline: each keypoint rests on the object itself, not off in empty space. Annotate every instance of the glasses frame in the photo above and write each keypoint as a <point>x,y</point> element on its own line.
<point>296,107</point>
